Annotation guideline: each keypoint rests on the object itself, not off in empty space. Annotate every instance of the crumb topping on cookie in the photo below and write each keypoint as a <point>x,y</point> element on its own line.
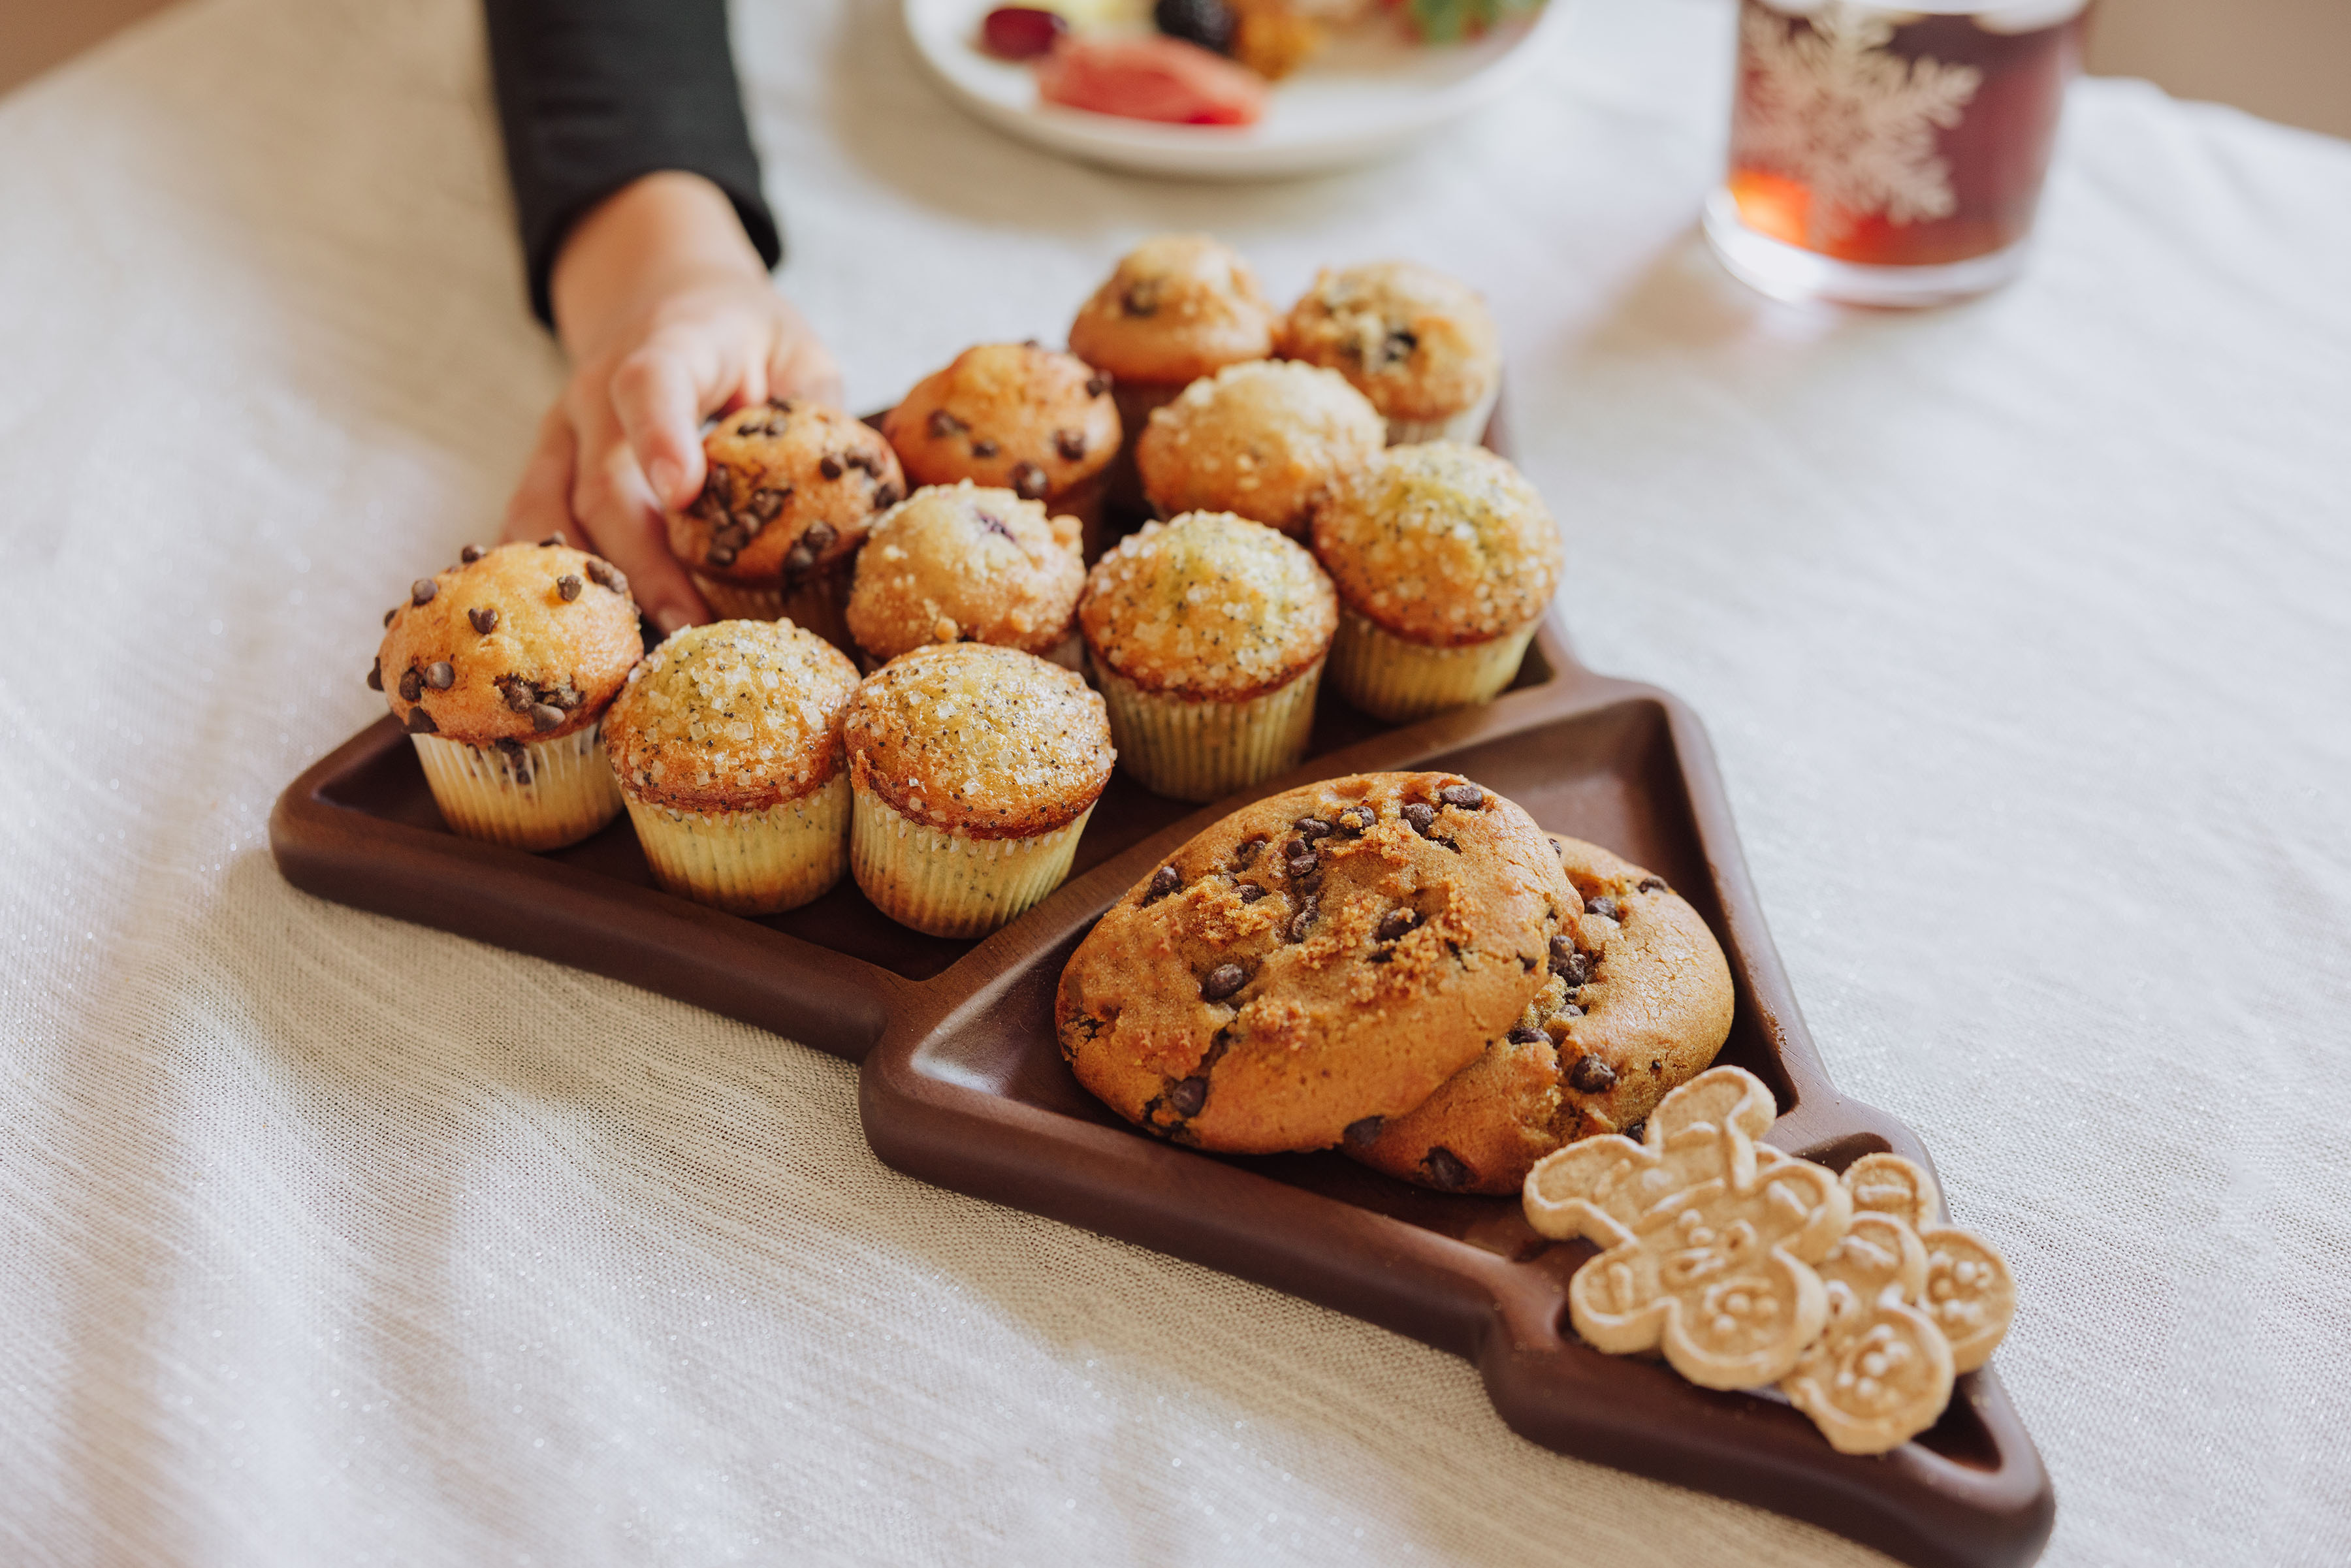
<point>1266,440</point>
<point>1443,544</point>
<point>958,563</point>
<point>790,488</point>
<point>1177,307</point>
<point>739,715</point>
<point>1419,344</point>
<point>989,742</point>
<point>1208,606</point>
<point>1011,416</point>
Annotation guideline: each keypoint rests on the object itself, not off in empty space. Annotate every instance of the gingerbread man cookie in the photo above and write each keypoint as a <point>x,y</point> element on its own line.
<point>1968,1292</point>
<point>1881,1373</point>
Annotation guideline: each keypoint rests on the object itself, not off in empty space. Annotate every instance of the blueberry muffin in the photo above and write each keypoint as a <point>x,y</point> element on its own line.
<point>501,668</point>
<point>1208,636</point>
<point>1417,343</point>
<point>1315,963</point>
<point>726,743</point>
<point>1637,1003</point>
<point>793,486</point>
<point>956,563</point>
<point>1017,417</point>
<point>973,768</point>
<point>1266,441</point>
<point>1445,560</point>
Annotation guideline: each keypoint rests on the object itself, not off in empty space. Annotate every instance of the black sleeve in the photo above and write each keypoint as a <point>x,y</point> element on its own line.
<point>593,93</point>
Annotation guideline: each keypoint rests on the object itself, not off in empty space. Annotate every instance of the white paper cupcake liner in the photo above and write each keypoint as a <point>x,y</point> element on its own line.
<point>750,863</point>
<point>1397,681</point>
<point>1207,750</point>
<point>947,885</point>
<point>555,792</point>
<point>1468,425</point>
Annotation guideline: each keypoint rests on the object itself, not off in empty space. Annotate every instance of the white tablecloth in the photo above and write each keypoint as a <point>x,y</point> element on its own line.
<point>2023,628</point>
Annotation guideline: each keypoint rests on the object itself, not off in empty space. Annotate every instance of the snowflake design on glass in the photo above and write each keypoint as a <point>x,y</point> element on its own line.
<point>1824,104</point>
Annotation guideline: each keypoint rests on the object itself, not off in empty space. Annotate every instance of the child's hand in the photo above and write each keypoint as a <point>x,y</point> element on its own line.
<point>669,317</point>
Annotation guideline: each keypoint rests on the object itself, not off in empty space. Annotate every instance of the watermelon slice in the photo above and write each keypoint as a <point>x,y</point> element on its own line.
<point>1152,77</point>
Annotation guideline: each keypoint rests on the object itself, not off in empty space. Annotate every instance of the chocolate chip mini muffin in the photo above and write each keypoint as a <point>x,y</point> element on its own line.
<point>1445,560</point>
<point>1208,636</point>
<point>727,742</point>
<point>792,487</point>
<point>1265,440</point>
<point>1637,1003</point>
<point>956,563</point>
<point>501,669</point>
<point>1417,343</point>
<point>1013,416</point>
<point>975,768</point>
<point>1315,963</point>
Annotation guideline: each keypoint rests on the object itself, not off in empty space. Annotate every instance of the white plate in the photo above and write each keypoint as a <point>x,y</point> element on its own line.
<point>1371,93</point>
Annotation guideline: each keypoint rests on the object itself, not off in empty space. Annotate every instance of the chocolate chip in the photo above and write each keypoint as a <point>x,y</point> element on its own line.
<point>1468,797</point>
<point>830,467</point>
<point>720,555</point>
<point>1651,884</point>
<point>522,776</point>
<point>798,558</point>
<point>1396,922</point>
<point>605,574</point>
<point>389,613</point>
<point>1589,1075</point>
<point>942,425</point>
<point>1186,1098</point>
<point>1164,881</point>
<point>1304,918</point>
<point>1246,850</point>
<point>568,586</point>
<point>517,691</point>
<point>1570,1011</point>
<point>1313,827</point>
<point>1299,859</point>
<point>1525,1034</point>
<point>887,494</point>
<point>1141,299</point>
<point>485,618</point>
<point>985,449</point>
<point>767,501</point>
<point>1638,1130</point>
<point>440,675</point>
<point>509,747</point>
<point>552,539</point>
<point>470,554</point>
<point>419,722</point>
<point>1398,347</point>
<point>865,463</point>
<point>1444,1170</point>
<point>1567,963</point>
<point>412,686</point>
<point>1098,383</point>
<point>544,717</point>
<point>1222,982</point>
<point>1604,907</point>
<point>565,697</point>
<point>1251,892</point>
<point>730,536</point>
<point>1356,821</point>
<point>1422,816</point>
<point>1360,1135</point>
<point>375,676</point>
<point>820,536</point>
<point>1070,444</point>
<point>421,591</point>
<point>1028,481</point>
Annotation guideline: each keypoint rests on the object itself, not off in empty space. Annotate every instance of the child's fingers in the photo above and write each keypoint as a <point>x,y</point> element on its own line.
<point>804,366</point>
<point>660,393</point>
<point>615,508</point>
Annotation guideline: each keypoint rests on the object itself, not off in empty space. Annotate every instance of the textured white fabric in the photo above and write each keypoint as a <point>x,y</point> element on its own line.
<point>2021,629</point>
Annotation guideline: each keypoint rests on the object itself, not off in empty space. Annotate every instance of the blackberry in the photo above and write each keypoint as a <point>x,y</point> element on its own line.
<point>1207,23</point>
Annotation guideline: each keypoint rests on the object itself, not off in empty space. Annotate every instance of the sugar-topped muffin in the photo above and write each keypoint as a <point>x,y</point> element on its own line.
<point>1208,636</point>
<point>975,768</point>
<point>727,742</point>
<point>1012,416</point>
<point>956,563</point>
<point>501,668</point>
<point>1444,558</point>
<point>1265,440</point>
<point>1419,344</point>
<point>793,486</point>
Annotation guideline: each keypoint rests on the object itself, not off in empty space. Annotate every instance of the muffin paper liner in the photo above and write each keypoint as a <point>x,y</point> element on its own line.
<point>1468,425</point>
<point>750,863</point>
<point>820,605</point>
<point>557,794</point>
<point>1207,750</point>
<point>1397,681</point>
<point>947,885</point>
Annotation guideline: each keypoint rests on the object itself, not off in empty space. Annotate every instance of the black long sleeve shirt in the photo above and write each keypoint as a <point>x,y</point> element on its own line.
<point>594,93</point>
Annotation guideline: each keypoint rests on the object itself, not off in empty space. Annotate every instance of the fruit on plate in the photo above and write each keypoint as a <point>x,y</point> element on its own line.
<point>1021,32</point>
<point>1207,23</point>
<point>1150,78</point>
<point>1451,21</point>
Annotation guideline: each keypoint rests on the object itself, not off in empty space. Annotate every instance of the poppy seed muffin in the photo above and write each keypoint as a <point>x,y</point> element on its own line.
<point>1266,440</point>
<point>1012,416</point>
<point>975,768</point>
<point>1639,1003</point>
<point>956,563</point>
<point>1314,962</point>
<point>1419,344</point>
<point>501,668</point>
<point>791,488</point>
<point>1444,558</point>
<point>726,743</point>
<point>1208,636</point>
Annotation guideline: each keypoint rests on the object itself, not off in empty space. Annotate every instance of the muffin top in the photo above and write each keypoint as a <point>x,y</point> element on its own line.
<point>1264,439</point>
<point>1178,308</point>
<point>518,642</point>
<point>989,742</point>
<point>1419,344</point>
<point>739,715</point>
<point>791,488</point>
<point>956,562</point>
<point>1442,544</point>
<point>1010,415</point>
<point>1210,606</point>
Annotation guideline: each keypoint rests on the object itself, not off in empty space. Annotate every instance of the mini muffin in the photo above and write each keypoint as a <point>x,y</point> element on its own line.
<point>975,770</point>
<point>1208,636</point>
<point>1639,1003</point>
<point>1265,440</point>
<point>1417,343</point>
<point>1315,962</point>
<point>1178,308</point>
<point>1444,558</point>
<point>1013,416</point>
<point>726,743</point>
<point>501,669</point>
<point>792,487</point>
<point>957,563</point>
